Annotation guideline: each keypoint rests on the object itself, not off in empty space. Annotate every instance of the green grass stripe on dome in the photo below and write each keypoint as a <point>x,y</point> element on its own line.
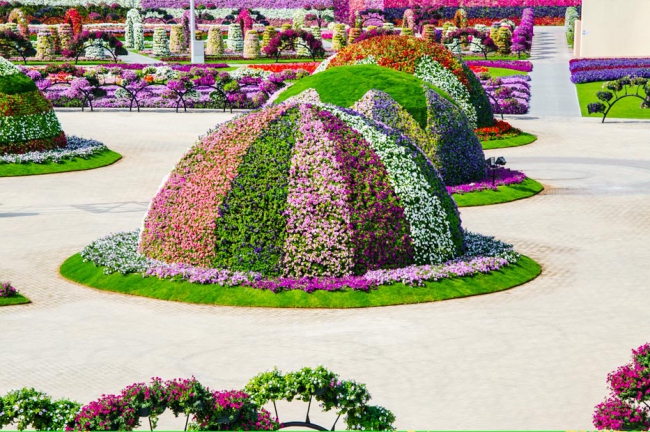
<point>104,158</point>
<point>30,127</point>
<point>23,104</point>
<point>345,85</point>
<point>16,84</point>
<point>520,140</point>
<point>87,274</point>
<point>503,194</point>
<point>17,299</point>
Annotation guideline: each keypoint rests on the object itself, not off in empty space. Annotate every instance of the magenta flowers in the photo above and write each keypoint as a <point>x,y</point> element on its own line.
<point>628,405</point>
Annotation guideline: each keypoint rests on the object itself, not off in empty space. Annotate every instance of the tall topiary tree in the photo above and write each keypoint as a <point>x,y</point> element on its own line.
<point>214,45</point>
<point>177,42</point>
<point>138,36</point>
<point>45,48</point>
<point>235,38</point>
<point>252,45</point>
<point>65,35</point>
<point>160,43</point>
<point>269,33</point>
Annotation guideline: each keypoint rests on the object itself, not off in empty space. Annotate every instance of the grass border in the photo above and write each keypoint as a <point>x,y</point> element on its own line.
<point>18,299</point>
<point>98,160</point>
<point>503,194</point>
<point>518,141</point>
<point>86,273</point>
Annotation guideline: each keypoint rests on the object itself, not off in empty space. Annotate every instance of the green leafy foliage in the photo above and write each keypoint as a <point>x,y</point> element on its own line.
<point>244,240</point>
<point>16,84</point>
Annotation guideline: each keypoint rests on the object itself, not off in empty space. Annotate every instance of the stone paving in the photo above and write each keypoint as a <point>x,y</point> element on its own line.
<point>534,357</point>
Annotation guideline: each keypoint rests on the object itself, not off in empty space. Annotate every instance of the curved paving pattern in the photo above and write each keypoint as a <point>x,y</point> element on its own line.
<point>535,357</point>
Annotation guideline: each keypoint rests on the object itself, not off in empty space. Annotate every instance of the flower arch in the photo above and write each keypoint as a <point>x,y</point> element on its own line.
<point>73,18</point>
<point>18,16</point>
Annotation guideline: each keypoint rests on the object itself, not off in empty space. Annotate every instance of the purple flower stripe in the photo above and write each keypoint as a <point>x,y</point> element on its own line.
<point>503,177</point>
<point>611,63</point>
<point>588,76</point>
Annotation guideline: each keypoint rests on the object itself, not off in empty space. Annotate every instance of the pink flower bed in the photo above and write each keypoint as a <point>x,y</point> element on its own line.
<point>504,177</point>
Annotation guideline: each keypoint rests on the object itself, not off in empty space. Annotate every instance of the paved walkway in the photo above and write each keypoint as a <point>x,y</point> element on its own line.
<point>133,57</point>
<point>553,94</point>
<point>535,357</point>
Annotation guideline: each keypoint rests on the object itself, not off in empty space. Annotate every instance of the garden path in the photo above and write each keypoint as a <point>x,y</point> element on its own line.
<point>535,357</point>
<point>133,57</point>
<point>552,93</point>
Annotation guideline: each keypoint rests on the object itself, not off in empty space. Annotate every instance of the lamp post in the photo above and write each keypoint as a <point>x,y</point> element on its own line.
<point>197,54</point>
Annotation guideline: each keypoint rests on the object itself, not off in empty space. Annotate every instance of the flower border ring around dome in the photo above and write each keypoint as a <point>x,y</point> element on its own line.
<point>31,138</point>
<point>302,205</point>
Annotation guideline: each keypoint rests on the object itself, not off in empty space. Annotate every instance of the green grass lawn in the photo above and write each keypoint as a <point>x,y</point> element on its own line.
<point>497,57</point>
<point>503,194</point>
<point>502,72</point>
<point>134,284</point>
<point>629,108</point>
<point>15,300</point>
<point>523,139</point>
<point>343,86</point>
<point>101,159</point>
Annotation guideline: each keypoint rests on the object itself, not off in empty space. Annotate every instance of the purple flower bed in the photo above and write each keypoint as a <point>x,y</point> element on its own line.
<point>587,76</point>
<point>509,95</point>
<point>577,65</point>
<point>518,65</point>
<point>503,177</point>
<point>174,66</point>
<point>6,290</point>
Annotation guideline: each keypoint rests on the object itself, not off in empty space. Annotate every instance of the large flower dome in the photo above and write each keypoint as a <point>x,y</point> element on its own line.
<point>27,120</point>
<point>303,190</point>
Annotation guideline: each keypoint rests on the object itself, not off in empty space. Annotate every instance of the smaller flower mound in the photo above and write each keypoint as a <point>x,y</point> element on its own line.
<point>7,290</point>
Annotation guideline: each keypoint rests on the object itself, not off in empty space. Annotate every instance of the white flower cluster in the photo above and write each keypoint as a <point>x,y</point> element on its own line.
<point>117,252</point>
<point>249,72</point>
<point>220,13</point>
<point>76,148</point>
<point>235,38</point>
<point>29,127</point>
<point>430,230</point>
<point>160,43</point>
<point>7,68</point>
<point>478,245</point>
<point>435,74</point>
<point>324,64</point>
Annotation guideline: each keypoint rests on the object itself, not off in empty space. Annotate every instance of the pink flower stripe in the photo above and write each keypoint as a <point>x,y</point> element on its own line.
<point>318,241</point>
<point>180,224</point>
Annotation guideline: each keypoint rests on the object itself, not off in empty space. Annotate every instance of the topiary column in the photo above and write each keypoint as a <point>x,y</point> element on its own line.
<point>132,17</point>
<point>177,42</point>
<point>269,33</point>
<point>429,33</point>
<point>235,38</point>
<point>138,36</point>
<point>160,43</point>
<point>407,31</point>
<point>214,45</point>
<point>55,38</point>
<point>353,35</point>
<point>65,35</point>
<point>44,45</point>
<point>389,26</point>
<point>338,37</point>
<point>504,40</point>
<point>315,30</point>
<point>252,45</point>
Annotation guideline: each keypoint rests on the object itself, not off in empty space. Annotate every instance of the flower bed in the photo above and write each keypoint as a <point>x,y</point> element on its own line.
<point>9,296</point>
<point>118,253</point>
<point>502,177</point>
<point>500,130</point>
<point>591,70</point>
<point>519,65</point>
<point>509,95</point>
<point>281,67</point>
<point>146,86</point>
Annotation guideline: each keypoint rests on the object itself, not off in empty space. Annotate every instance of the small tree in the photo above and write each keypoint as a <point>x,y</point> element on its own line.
<point>318,13</point>
<point>290,39</point>
<point>88,39</point>
<point>627,87</point>
<point>11,42</point>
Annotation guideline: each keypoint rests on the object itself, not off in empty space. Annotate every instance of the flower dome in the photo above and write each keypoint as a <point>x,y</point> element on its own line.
<point>424,113</point>
<point>27,120</point>
<point>429,61</point>
<point>303,190</point>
